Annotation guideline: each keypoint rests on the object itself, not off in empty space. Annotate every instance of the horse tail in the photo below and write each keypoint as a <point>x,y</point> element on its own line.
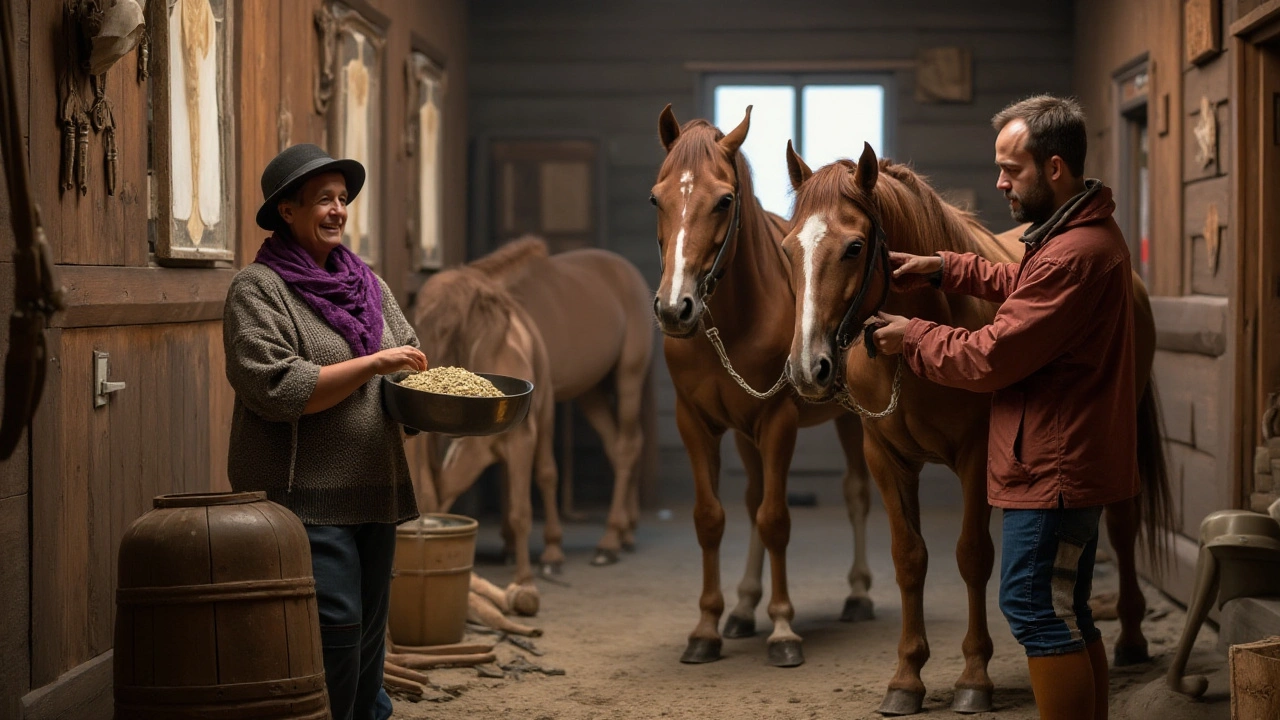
<point>1156,503</point>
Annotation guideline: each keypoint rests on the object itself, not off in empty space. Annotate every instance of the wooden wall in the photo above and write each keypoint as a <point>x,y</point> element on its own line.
<point>605,70</point>
<point>85,473</point>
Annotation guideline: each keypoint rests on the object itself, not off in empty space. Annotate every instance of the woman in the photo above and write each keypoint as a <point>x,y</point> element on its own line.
<point>308,328</point>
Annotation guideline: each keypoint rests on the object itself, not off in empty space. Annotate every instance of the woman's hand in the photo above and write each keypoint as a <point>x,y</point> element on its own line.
<point>911,272</point>
<point>405,357</point>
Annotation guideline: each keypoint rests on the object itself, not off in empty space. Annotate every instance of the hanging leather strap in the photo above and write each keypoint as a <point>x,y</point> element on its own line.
<point>37,295</point>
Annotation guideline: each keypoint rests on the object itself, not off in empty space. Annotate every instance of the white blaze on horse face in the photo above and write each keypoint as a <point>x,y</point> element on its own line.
<point>677,279</point>
<point>812,233</point>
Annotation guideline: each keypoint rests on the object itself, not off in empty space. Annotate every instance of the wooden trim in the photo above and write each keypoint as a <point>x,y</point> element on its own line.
<point>794,66</point>
<point>100,296</point>
<point>83,693</point>
<point>1257,20</point>
<point>1245,189</point>
<point>1191,324</point>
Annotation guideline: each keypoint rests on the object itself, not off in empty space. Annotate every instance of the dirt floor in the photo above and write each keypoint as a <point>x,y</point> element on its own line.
<point>618,632</point>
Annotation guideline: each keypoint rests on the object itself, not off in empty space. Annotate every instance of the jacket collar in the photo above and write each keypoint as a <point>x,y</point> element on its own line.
<point>1077,210</point>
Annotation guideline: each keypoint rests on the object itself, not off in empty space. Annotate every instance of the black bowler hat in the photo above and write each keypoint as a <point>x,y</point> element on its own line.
<point>291,168</point>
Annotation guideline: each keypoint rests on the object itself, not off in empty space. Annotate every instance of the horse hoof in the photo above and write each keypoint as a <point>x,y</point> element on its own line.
<point>858,609</point>
<point>737,627</point>
<point>549,569</point>
<point>1133,655</point>
<point>971,700</point>
<point>901,702</point>
<point>786,653</point>
<point>604,557</point>
<point>701,650</point>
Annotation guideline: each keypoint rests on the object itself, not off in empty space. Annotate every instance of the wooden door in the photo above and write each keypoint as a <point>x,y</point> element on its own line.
<point>545,187</point>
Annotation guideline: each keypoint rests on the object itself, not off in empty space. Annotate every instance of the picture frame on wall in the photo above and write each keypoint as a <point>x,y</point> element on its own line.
<point>192,162</point>
<point>352,57</point>
<point>424,145</point>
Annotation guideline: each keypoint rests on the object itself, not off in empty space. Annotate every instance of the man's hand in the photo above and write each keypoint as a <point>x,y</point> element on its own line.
<point>911,272</point>
<point>888,338</point>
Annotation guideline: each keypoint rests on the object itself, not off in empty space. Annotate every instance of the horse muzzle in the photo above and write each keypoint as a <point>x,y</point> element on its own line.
<point>816,380</point>
<point>678,320</point>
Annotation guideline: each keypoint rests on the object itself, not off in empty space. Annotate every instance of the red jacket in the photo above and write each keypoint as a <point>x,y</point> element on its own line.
<point>1058,358</point>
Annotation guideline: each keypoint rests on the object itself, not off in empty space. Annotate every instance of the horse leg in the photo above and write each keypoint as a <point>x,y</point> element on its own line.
<point>741,622</point>
<point>777,443</point>
<point>899,486</point>
<point>547,477</point>
<point>519,462</point>
<point>857,502</point>
<point>703,446</point>
<point>464,460</point>
<point>975,555</point>
<point>623,443</point>
<point>1123,519</point>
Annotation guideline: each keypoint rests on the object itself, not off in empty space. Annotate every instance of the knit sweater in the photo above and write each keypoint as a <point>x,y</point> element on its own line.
<point>341,466</point>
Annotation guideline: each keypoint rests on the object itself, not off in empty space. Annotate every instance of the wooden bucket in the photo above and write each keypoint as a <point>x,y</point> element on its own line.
<point>1255,680</point>
<point>431,579</point>
<point>216,613</point>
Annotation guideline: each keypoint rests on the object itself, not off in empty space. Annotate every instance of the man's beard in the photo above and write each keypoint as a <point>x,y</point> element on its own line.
<point>1036,205</point>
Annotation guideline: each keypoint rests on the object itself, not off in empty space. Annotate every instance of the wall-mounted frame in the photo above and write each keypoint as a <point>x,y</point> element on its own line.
<point>425,83</point>
<point>352,48</point>
<point>192,159</point>
<point>1202,21</point>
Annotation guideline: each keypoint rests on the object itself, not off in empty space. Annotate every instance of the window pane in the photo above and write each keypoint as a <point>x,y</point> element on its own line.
<point>838,119</point>
<point>772,125</point>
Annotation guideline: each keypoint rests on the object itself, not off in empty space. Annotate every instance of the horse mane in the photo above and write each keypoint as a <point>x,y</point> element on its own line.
<point>458,311</point>
<point>917,219</point>
<point>509,262</point>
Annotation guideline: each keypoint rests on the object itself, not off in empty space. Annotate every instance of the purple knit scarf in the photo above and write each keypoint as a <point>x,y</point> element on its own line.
<point>346,293</point>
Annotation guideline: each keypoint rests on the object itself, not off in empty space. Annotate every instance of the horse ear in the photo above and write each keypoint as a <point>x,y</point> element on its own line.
<point>796,168</point>
<point>733,140</point>
<point>668,128</point>
<point>868,169</point>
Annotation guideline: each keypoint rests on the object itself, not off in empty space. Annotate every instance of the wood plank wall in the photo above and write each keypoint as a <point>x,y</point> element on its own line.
<point>86,473</point>
<point>605,70</point>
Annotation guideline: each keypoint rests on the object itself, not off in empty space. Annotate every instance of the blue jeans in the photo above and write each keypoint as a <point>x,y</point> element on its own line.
<point>1046,576</point>
<point>352,567</point>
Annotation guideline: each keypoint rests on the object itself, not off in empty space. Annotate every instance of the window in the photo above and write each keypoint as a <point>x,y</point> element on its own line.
<point>1133,186</point>
<point>826,117</point>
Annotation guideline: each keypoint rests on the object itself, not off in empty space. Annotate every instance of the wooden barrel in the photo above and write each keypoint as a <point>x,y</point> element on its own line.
<point>431,579</point>
<point>216,613</point>
<point>1255,680</point>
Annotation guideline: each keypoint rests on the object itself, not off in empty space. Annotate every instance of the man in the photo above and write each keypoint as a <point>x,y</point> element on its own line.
<point>1059,360</point>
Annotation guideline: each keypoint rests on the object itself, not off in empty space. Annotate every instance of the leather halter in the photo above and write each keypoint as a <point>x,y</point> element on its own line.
<point>879,252</point>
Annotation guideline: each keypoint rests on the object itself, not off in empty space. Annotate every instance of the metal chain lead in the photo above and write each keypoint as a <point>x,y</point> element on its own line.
<point>714,336</point>
<point>846,399</point>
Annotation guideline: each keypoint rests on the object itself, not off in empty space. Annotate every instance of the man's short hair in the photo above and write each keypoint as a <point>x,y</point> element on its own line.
<point>1055,126</point>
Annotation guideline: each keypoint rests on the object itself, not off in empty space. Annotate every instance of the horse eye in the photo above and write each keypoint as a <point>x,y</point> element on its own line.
<point>653,200</point>
<point>854,248</point>
<point>725,202</point>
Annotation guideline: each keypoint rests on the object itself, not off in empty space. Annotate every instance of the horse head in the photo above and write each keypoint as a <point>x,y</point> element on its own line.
<point>839,262</point>
<point>698,196</point>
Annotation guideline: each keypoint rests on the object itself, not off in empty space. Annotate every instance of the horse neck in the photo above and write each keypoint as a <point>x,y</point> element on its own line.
<point>755,281</point>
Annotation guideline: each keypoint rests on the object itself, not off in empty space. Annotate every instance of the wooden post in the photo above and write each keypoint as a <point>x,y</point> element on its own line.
<point>1255,679</point>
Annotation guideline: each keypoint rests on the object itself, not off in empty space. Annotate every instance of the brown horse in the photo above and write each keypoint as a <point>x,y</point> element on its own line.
<point>723,270</point>
<point>591,308</point>
<point>464,318</point>
<point>846,218</point>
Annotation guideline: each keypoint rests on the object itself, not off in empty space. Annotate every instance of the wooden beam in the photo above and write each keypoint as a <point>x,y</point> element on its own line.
<point>15,604</point>
<point>802,66</point>
<point>83,693</point>
<point>103,296</point>
<point>1266,14</point>
<point>1191,324</point>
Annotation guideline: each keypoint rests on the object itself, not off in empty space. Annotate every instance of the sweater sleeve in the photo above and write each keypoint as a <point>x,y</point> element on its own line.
<point>972,274</point>
<point>1038,322</point>
<point>401,330</point>
<point>264,362</point>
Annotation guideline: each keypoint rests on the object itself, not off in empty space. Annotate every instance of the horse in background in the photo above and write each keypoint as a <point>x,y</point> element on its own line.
<point>464,317</point>
<point>591,308</point>
<point>847,217</point>
<point>723,268</point>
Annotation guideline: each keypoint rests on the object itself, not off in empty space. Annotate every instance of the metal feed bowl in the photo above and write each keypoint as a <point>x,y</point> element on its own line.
<point>457,414</point>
